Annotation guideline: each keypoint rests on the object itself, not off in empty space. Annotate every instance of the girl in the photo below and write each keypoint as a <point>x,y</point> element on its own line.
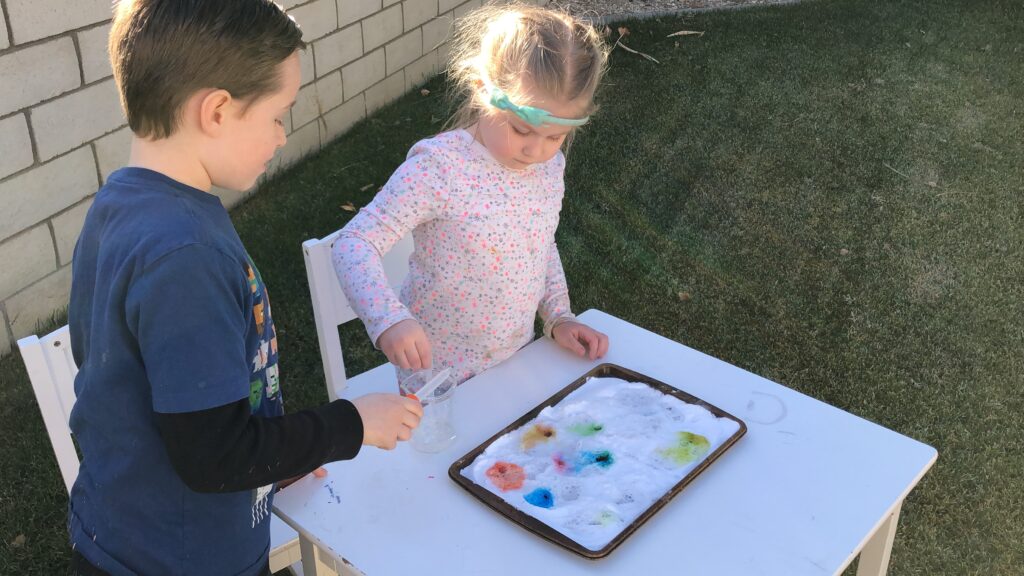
<point>482,202</point>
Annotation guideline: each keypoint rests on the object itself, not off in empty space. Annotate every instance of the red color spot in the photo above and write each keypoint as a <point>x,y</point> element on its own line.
<point>506,476</point>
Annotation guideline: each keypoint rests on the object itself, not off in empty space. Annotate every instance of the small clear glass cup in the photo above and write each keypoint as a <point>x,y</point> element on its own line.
<point>436,431</point>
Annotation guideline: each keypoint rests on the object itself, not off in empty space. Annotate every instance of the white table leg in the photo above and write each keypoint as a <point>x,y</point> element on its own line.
<point>874,558</point>
<point>309,563</point>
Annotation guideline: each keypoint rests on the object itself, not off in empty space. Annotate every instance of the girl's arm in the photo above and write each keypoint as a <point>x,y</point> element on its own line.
<point>417,192</point>
<point>554,306</point>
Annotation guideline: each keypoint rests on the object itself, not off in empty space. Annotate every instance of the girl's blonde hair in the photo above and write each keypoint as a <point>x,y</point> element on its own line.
<point>503,45</point>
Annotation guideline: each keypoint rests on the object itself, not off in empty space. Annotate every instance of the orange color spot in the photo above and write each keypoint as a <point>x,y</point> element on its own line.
<point>506,476</point>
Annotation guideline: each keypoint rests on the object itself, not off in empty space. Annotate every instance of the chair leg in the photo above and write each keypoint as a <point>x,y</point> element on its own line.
<point>874,558</point>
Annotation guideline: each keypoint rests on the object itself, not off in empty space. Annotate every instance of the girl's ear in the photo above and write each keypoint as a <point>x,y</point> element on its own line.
<point>213,112</point>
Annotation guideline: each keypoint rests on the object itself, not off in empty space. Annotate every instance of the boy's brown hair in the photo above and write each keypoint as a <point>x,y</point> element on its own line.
<point>163,51</point>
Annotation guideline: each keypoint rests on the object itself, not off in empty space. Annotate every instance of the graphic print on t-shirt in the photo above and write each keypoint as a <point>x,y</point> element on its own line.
<point>265,383</point>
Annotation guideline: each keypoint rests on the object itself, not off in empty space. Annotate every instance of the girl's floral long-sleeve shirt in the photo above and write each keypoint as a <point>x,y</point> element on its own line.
<point>485,262</point>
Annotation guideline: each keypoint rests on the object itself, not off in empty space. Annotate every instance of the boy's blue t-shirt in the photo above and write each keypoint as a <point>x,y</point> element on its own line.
<point>168,314</point>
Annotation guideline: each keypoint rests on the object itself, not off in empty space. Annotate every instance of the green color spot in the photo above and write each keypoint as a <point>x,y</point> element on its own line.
<point>688,448</point>
<point>586,429</point>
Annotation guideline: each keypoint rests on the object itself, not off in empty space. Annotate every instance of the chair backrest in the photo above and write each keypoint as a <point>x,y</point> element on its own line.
<point>52,370</point>
<point>330,306</point>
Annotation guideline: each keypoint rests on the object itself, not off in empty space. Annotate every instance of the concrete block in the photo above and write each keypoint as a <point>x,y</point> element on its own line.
<point>305,140</point>
<point>112,151</point>
<point>4,43</point>
<point>317,98</point>
<point>382,28</point>
<point>92,45</point>
<point>444,55</point>
<point>66,228</point>
<point>403,51</point>
<point>363,73</point>
<point>15,145</point>
<point>351,11</point>
<point>38,302</point>
<point>229,198</point>
<point>287,123</point>
<point>390,2</point>
<point>25,259</point>
<point>287,4</point>
<point>418,12</point>
<point>72,120</point>
<point>437,31</point>
<point>35,19</point>
<point>460,10</point>
<point>316,19</point>
<point>334,51</point>
<point>385,92</point>
<point>5,338</point>
<point>36,73</point>
<point>420,71</point>
<point>33,196</point>
<point>306,65</point>
<point>339,120</point>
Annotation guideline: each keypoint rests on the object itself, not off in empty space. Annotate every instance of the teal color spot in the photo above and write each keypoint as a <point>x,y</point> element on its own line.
<point>602,458</point>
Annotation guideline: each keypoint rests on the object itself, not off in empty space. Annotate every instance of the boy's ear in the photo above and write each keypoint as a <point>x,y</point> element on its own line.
<point>213,111</point>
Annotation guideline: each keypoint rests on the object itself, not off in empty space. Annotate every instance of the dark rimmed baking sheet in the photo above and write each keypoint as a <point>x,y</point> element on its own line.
<point>540,528</point>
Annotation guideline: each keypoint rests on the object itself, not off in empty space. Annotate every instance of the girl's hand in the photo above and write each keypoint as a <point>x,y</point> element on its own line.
<point>406,345</point>
<point>580,339</point>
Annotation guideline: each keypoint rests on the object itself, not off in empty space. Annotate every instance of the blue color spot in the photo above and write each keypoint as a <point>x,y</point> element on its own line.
<point>541,497</point>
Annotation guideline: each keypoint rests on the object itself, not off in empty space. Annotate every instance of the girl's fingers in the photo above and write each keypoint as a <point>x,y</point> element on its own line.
<point>400,359</point>
<point>423,349</point>
<point>603,348</point>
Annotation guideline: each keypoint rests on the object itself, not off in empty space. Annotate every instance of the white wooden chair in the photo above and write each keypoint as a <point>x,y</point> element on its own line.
<point>52,370</point>
<point>331,309</point>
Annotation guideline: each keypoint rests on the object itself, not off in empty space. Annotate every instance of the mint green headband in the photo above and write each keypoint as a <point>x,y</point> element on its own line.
<point>534,116</point>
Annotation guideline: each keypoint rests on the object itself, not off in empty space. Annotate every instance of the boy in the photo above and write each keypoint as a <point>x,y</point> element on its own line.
<point>179,413</point>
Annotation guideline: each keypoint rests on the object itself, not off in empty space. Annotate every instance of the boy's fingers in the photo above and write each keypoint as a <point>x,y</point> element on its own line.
<point>404,433</point>
<point>413,406</point>
<point>320,472</point>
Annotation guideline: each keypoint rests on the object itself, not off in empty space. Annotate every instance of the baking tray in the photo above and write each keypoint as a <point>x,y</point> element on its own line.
<point>545,531</point>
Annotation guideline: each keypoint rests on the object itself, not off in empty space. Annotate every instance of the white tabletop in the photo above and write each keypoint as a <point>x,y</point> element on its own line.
<point>799,494</point>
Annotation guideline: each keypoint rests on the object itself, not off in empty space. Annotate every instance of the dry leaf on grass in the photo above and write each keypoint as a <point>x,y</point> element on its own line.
<point>686,33</point>
<point>637,52</point>
<point>684,296</point>
<point>623,32</point>
<point>367,187</point>
<point>424,92</point>
<point>18,541</point>
<point>348,207</point>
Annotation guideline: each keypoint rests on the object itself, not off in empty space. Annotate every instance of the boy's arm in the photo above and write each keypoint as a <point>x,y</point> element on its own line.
<point>227,449</point>
<point>554,306</point>
<point>416,193</point>
<point>189,311</point>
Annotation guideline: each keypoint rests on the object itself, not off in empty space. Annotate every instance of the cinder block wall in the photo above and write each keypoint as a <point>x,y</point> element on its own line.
<point>62,131</point>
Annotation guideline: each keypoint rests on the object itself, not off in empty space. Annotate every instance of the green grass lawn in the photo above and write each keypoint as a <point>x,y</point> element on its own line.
<point>827,194</point>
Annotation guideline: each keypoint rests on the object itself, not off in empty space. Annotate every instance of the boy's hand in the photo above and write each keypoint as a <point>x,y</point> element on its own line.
<point>387,418</point>
<point>581,339</point>
<point>406,345</point>
<point>318,473</point>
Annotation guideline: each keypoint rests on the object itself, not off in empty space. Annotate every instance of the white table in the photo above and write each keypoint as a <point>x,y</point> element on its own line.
<point>807,489</point>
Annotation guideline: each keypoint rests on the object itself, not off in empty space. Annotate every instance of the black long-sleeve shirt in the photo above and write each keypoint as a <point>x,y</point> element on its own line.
<point>227,449</point>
